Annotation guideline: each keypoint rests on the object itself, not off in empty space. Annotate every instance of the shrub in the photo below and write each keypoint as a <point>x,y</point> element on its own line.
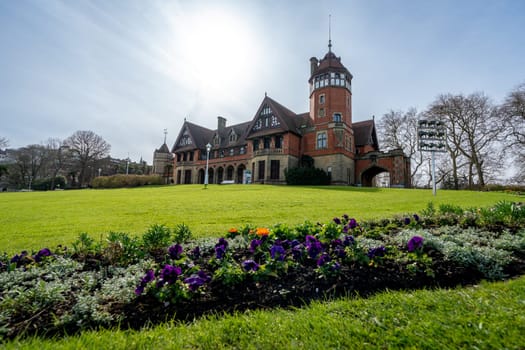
<point>118,181</point>
<point>46,184</point>
<point>182,233</point>
<point>306,176</point>
<point>156,237</point>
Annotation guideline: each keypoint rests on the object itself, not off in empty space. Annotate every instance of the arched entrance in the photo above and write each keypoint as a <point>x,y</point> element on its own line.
<point>201,176</point>
<point>368,176</point>
<point>240,173</point>
<point>220,174</point>
<point>229,172</point>
<point>210,175</point>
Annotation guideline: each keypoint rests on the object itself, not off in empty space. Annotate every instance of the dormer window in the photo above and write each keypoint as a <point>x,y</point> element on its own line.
<point>216,140</point>
<point>233,136</point>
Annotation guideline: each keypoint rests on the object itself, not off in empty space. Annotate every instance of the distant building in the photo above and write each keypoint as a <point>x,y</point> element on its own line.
<point>277,138</point>
<point>163,163</point>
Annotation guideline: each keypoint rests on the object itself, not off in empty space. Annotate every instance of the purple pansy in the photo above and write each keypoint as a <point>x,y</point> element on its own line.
<point>337,221</point>
<point>148,277</point>
<point>297,251</point>
<point>196,252</point>
<point>42,253</point>
<point>414,243</point>
<point>175,251</point>
<point>348,241</point>
<point>313,247</point>
<point>220,248</point>
<point>254,244</point>
<point>277,252</point>
<point>406,221</point>
<point>196,280</point>
<point>169,274</point>
<point>323,259</point>
<point>220,251</point>
<point>250,265</point>
<point>352,224</point>
<point>378,251</point>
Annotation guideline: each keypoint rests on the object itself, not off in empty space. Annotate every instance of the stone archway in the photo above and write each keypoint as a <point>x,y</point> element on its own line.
<point>367,176</point>
<point>229,172</point>
<point>240,173</point>
<point>201,176</point>
<point>211,172</point>
<point>220,174</point>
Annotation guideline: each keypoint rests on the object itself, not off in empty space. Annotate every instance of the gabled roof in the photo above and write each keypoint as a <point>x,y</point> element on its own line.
<point>286,118</point>
<point>241,130</point>
<point>365,133</point>
<point>199,135</point>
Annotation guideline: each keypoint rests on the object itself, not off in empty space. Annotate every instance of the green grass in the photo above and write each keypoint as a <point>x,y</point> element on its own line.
<point>488,316</point>
<point>32,220</point>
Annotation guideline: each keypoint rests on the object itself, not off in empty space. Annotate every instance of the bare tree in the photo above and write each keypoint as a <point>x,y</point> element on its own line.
<point>473,129</point>
<point>87,148</point>
<point>58,158</point>
<point>3,142</point>
<point>398,130</point>
<point>513,112</point>
<point>28,163</point>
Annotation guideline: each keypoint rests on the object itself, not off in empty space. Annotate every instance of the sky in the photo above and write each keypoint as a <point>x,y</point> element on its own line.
<point>128,69</point>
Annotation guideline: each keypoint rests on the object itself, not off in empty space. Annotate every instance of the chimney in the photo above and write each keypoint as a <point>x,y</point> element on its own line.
<point>221,123</point>
<point>313,65</point>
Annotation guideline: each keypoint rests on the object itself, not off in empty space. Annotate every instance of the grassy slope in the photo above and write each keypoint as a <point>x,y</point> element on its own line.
<point>37,219</point>
<point>488,316</point>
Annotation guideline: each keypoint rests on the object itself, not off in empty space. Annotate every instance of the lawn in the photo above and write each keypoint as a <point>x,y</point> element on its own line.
<point>487,316</point>
<point>32,220</point>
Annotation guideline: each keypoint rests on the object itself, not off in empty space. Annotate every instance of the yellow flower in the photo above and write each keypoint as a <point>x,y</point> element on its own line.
<point>262,231</point>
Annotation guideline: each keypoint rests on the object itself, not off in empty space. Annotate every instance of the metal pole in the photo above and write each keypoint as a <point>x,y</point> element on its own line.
<point>433,173</point>
<point>206,174</point>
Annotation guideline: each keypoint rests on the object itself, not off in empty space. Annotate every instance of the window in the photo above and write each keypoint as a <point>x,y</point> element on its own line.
<point>275,122</point>
<point>337,117</point>
<point>274,169</point>
<point>255,144</point>
<point>321,140</point>
<point>242,150</point>
<point>321,112</point>
<point>232,151</point>
<point>278,141</point>
<point>261,166</point>
<point>233,136</point>
<point>266,142</point>
<point>321,99</point>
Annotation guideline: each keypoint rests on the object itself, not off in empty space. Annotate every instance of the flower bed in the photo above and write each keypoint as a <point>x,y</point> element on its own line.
<point>130,281</point>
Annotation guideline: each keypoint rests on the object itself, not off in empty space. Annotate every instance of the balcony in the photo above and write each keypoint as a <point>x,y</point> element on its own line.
<point>267,151</point>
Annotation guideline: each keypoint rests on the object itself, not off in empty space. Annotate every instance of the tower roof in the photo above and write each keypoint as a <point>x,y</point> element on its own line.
<point>330,63</point>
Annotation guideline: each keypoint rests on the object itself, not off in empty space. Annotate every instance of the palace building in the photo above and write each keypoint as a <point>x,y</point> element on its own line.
<point>276,139</point>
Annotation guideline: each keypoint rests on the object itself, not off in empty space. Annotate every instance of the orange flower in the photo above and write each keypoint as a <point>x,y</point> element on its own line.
<point>262,231</point>
<point>232,230</point>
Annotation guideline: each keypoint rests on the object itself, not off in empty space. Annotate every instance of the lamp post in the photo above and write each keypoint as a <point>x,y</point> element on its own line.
<point>208,148</point>
<point>432,138</point>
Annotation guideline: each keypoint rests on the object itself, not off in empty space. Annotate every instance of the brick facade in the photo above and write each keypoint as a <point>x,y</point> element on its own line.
<point>276,139</point>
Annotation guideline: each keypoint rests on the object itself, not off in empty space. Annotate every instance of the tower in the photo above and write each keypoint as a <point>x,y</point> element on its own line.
<point>331,145</point>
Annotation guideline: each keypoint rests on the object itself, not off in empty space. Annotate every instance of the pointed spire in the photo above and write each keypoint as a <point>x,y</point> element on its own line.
<point>329,33</point>
<point>165,133</point>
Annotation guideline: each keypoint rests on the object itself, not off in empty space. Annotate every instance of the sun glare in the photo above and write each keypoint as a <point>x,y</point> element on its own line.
<point>218,48</point>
